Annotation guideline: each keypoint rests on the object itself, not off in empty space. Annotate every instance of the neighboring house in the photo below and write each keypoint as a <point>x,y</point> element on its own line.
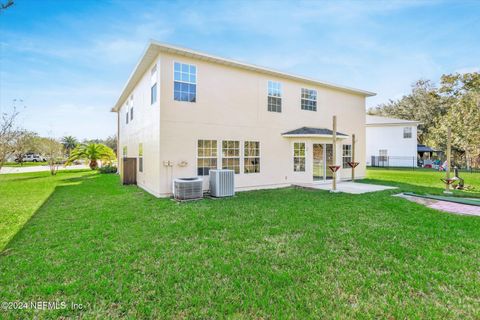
<point>391,142</point>
<point>183,113</point>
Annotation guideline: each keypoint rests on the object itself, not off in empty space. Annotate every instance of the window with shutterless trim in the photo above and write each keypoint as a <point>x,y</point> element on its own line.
<point>274,96</point>
<point>346,155</point>
<point>140,157</point>
<point>309,99</point>
<point>231,155</point>
<point>207,156</point>
<point>153,85</point>
<point>299,157</point>
<point>407,132</point>
<point>251,160</point>
<point>185,82</point>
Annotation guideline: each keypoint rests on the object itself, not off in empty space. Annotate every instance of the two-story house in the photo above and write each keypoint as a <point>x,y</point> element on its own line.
<point>391,142</point>
<point>183,113</point>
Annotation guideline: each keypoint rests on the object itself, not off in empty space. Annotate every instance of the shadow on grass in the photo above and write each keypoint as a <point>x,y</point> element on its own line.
<point>63,184</point>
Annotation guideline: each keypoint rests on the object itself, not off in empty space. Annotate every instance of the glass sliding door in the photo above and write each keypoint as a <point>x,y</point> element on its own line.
<point>329,160</point>
<point>318,160</point>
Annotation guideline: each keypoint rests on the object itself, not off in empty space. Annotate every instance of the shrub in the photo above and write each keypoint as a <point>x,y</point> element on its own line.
<point>108,169</point>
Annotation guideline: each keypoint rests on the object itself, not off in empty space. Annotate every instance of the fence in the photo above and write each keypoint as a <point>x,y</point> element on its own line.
<point>393,161</point>
<point>410,162</point>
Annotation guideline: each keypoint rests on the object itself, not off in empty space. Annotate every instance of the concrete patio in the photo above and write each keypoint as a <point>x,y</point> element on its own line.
<point>346,187</point>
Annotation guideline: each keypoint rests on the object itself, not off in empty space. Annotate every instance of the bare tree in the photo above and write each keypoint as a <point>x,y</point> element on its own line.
<point>9,133</point>
<point>53,151</point>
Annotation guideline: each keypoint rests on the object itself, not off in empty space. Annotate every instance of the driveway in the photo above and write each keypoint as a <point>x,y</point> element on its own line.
<point>6,170</point>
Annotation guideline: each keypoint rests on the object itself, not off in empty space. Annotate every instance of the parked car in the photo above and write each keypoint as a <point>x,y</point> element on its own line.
<point>33,158</point>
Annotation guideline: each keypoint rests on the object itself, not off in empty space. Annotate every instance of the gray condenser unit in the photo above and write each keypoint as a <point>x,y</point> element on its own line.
<point>188,188</point>
<point>222,183</point>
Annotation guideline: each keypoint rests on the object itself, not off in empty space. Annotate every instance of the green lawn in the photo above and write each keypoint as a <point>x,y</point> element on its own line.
<point>82,238</point>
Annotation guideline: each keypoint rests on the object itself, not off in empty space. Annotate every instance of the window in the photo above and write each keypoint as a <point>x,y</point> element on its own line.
<point>309,99</point>
<point>299,157</point>
<point>231,155</point>
<point>124,151</point>
<point>153,85</point>
<point>140,157</point>
<point>347,155</point>
<point>153,94</point>
<point>251,160</point>
<point>131,107</point>
<point>206,156</point>
<point>274,96</point>
<point>185,82</point>
<point>407,132</point>
<point>383,154</point>
<point>126,118</point>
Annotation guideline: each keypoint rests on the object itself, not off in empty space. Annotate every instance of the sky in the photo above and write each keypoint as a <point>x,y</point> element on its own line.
<point>66,62</point>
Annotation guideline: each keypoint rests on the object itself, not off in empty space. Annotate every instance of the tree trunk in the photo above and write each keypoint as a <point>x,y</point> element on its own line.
<point>93,164</point>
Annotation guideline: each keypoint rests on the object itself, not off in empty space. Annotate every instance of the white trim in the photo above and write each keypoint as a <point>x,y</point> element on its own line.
<point>239,155</point>
<point>293,158</point>
<point>196,81</point>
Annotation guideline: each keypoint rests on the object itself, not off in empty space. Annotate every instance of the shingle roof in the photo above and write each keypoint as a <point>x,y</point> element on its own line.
<point>313,131</point>
<point>424,148</point>
<point>373,120</point>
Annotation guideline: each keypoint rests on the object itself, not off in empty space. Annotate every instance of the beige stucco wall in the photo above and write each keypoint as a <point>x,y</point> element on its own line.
<point>145,129</point>
<point>232,105</point>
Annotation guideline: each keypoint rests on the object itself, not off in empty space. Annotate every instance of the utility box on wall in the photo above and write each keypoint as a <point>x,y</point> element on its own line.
<point>129,168</point>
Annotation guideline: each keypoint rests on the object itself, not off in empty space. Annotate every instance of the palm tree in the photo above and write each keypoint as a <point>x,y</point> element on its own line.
<point>69,143</point>
<point>92,152</point>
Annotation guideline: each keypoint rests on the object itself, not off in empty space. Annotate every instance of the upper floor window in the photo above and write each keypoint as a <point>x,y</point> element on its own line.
<point>206,156</point>
<point>274,96</point>
<point>309,99</point>
<point>251,160</point>
<point>185,82</point>
<point>131,113</point>
<point>299,156</point>
<point>407,132</point>
<point>153,85</point>
<point>231,155</point>
<point>126,116</point>
<point>347,155</point>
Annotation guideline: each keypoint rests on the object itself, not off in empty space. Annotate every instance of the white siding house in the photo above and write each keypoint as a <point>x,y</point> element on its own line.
<point>391,142</point>
<point>182,113</point>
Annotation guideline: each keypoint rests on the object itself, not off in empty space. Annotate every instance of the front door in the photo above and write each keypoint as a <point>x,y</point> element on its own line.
<point>318,167</point>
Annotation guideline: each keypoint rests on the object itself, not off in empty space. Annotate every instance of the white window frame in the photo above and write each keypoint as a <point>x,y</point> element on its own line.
<point>344,163</point>
<point>196,82</point>
<point>140,157</point>
<point>280,90</point>
<point>232,157</point>
<point>153,82</point>
<point>218,156</point>
<point>259,157</point>
<point>407,131</point>
<point>304,157</point>
<point>308,99</point>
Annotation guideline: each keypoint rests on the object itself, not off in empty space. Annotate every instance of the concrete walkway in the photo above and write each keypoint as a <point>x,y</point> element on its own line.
<point>7,170</point>
<point>347,187</point>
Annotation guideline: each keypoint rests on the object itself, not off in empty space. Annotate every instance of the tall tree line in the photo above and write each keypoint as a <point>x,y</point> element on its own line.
<point>454,103</point>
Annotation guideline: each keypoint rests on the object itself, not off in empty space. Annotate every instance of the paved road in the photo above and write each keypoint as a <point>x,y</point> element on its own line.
<point>6,170</point>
